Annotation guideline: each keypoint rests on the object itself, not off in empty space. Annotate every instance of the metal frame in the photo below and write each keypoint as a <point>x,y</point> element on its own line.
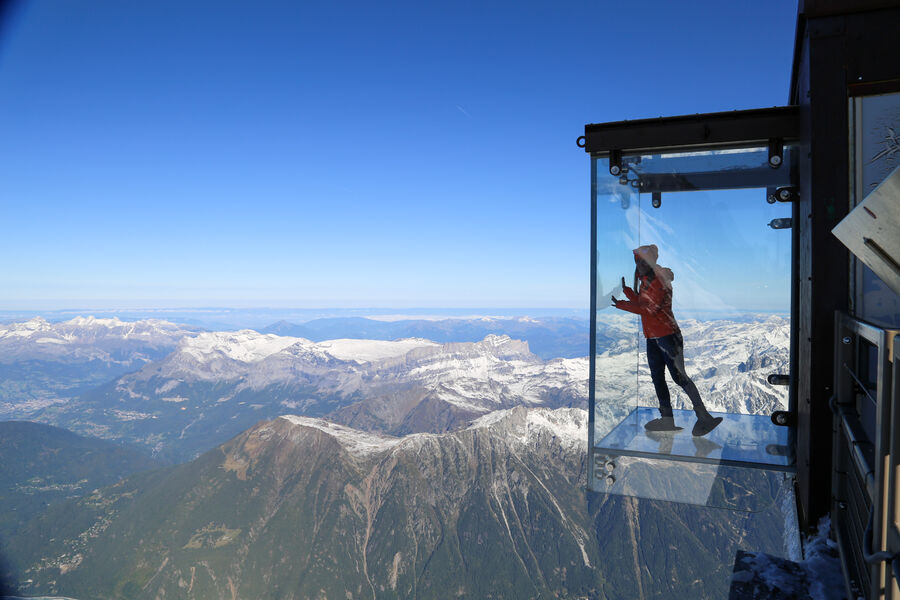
<point>592,341</point>
<point>756,126</point>
<point>674,182</point>
<point>608,452</point>
<point>892,542</point>
<point>862,482</point>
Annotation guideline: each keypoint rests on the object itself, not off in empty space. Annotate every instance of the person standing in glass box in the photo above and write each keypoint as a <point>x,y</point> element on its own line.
<point>665,346</point>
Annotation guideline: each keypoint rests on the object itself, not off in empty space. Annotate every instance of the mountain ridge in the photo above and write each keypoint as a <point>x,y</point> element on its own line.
<point>299,510</point>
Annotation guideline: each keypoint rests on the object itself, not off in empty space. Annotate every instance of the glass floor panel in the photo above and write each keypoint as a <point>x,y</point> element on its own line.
<point>749,441</point>
<point>720,486</point>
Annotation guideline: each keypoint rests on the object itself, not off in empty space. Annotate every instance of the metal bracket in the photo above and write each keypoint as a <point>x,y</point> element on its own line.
<point>783,418</point>
<point>783,223</point>
<point>615,162</point>
<point>873,558</point>
<point>776,152</point>
<point>787,193</point>
<point>778,379</point>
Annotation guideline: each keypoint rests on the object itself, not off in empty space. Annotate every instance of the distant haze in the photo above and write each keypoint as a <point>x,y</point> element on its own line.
<point>261,316</point>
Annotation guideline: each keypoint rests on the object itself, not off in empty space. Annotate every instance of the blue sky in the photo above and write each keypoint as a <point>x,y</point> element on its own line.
<point>339,154</point>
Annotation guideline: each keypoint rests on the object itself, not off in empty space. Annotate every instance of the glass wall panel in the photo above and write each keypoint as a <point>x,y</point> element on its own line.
<point>617,334</point>
<point>731,297</point>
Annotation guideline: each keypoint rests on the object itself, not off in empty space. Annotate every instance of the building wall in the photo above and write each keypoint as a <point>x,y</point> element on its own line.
<point>835,54</point>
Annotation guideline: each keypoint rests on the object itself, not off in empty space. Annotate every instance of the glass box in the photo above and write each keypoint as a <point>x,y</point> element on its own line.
<point>721,246</point>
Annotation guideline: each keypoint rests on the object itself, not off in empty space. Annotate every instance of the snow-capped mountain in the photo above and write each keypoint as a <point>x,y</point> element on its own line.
<point>87,339</point>
<point>43,364</point>
<point>478,376</point>
<point>494,373</point>
<point>215,384</point>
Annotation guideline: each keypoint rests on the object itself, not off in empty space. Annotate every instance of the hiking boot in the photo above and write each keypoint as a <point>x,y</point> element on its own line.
<point>662,424</point>
<point>705,424</point>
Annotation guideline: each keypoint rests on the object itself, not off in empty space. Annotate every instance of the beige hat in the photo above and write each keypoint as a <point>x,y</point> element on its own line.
<point>648,254</point>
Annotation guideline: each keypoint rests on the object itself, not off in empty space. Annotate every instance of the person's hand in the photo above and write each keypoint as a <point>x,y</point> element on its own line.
<point>623,283</point>
<point>614,301</point>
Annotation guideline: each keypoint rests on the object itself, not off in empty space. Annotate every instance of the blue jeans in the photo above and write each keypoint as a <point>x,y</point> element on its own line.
<point>668,352</point>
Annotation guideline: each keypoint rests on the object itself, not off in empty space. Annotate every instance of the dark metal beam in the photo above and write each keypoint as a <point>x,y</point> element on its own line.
<point>713,180</point>
<point>737,127</point>
<point>827,8</point>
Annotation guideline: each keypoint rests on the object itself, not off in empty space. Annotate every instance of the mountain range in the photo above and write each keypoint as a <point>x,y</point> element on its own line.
<point>299,507</point>
<point>209,386</point>
<point>44,364</point>
<point>217,384</point>
<point>366,468</point>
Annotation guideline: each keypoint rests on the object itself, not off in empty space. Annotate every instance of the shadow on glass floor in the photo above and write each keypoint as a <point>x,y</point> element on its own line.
<point>741,440</point>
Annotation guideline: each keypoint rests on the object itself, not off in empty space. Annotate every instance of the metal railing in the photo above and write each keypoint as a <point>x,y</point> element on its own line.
<point>864,495</point>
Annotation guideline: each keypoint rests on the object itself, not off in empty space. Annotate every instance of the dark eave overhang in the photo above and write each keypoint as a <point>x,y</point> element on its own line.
<point>828,8</point>
<point>738,127</point>
<point>824,10</point>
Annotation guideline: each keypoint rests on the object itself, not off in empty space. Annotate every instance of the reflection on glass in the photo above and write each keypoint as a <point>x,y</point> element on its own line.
<point>616,337</point>
<point>651,298</point>
<point>700,484</point>
<point>741,440</point>
<point>730,168</point>
<point>876,142</point>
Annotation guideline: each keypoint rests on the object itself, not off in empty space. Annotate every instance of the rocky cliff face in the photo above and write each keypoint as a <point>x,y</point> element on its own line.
<point>299,507</point>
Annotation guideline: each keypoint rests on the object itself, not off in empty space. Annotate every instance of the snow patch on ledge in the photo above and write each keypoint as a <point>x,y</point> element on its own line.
<point>372,350</point>
<point>245,346</point>
<point>817,577</point>
<point>356,442</point>
<point>820,554</point>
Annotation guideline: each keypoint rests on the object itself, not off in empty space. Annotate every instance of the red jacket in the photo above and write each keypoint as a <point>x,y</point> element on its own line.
<point>653,303</point>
